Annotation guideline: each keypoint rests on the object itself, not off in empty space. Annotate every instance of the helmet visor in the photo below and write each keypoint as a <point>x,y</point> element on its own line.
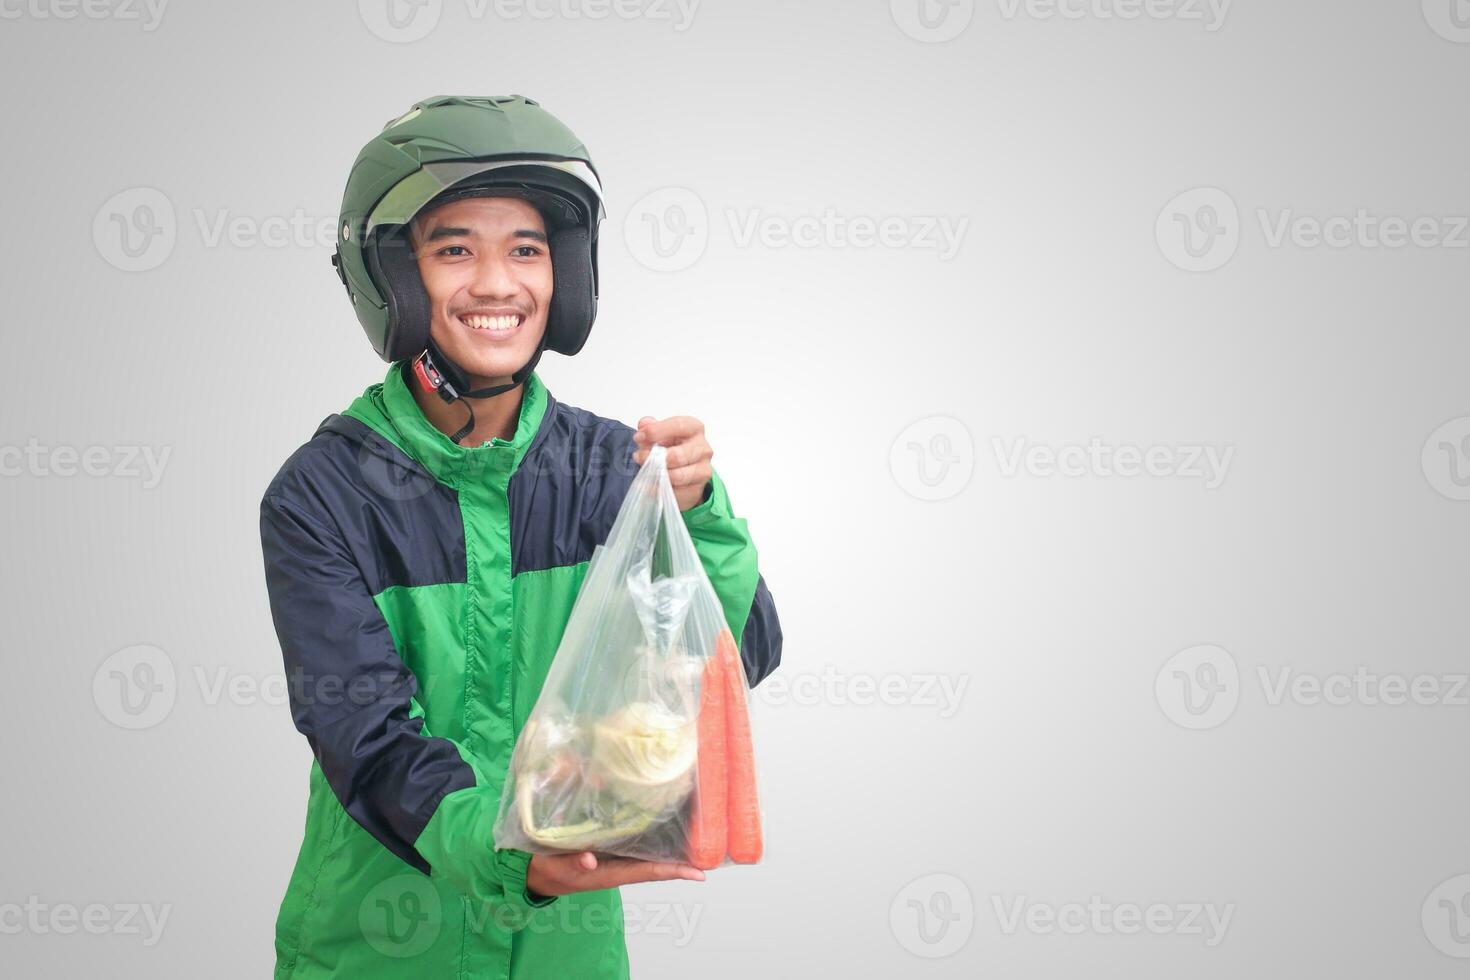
<point>409,196</point>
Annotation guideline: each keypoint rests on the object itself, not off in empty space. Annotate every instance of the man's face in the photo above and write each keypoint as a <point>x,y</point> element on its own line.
<point>487,268</point>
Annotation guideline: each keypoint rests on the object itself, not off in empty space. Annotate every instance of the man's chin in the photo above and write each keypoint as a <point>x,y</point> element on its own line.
<point>488,370</point>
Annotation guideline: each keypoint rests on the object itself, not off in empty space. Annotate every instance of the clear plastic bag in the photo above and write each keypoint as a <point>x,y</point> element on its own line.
<point>639,745</point>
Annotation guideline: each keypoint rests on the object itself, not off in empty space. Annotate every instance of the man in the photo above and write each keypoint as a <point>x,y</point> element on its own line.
<point>424,549</point>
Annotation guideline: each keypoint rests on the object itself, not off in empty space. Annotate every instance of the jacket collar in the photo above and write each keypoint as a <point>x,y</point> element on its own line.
<point>390,410</point>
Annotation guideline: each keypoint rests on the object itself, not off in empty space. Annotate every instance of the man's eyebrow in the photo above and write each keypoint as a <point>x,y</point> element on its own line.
<point>535,236</point>
<point>446,231</point>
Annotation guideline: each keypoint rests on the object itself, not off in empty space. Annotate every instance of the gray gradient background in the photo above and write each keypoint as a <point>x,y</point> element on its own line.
<point>1056,600</point>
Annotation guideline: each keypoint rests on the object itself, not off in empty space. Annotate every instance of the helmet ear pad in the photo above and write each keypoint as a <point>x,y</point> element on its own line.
<point>574,290</point>
<point>395,269</point>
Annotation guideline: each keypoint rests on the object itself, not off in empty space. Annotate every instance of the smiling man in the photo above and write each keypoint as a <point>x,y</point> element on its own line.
<point>423,551</point>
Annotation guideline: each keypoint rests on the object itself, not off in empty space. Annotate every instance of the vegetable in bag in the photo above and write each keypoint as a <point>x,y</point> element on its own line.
<point>639,745</point>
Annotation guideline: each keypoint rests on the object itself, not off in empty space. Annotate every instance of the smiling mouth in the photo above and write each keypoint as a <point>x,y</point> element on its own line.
<point>492,323</point>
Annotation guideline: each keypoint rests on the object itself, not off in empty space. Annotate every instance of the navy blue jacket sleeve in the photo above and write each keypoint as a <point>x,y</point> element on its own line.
<point>760,643</point>
<point>351,694</point>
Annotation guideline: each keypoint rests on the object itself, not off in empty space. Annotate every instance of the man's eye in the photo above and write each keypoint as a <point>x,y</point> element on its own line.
<point>450,249</point>
<point>526,251</point>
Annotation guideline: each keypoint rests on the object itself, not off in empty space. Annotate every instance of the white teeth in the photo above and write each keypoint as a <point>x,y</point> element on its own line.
<point>491,322</point>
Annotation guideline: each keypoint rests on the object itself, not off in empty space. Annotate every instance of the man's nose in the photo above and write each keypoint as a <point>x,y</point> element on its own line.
<point>494,278</point>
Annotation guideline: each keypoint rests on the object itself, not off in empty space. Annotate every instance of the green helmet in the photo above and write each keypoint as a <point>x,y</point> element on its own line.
<point>456,146</point>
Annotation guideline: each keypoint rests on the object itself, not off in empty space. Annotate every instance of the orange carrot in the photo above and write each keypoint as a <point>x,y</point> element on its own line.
<point>709,820</point>
<point>745,839</point>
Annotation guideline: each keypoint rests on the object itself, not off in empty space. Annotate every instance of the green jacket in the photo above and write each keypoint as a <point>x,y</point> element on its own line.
<point>419,590</point>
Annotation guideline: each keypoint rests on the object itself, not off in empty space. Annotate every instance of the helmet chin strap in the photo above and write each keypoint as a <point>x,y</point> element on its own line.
<point>438,374</point>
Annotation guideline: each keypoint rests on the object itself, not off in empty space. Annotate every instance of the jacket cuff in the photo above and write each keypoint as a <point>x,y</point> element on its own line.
<point>714,506</point>
<point>513,865</point>
<point>459,846</point>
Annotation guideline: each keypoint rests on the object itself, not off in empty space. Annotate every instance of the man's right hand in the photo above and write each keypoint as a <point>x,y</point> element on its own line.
<point>562,874</point>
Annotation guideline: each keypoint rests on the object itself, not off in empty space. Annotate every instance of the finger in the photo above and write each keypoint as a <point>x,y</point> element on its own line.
<point>626,872</point>
<point>670,431</point>
<point>695,452</point>
<point>658,871</point>
<point>692,453</point>
<point>690,476</point>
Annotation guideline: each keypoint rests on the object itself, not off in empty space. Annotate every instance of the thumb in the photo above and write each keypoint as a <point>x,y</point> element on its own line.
<point>640,435</point>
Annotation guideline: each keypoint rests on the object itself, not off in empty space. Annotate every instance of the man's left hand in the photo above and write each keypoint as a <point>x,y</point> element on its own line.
<point>689,454</point>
